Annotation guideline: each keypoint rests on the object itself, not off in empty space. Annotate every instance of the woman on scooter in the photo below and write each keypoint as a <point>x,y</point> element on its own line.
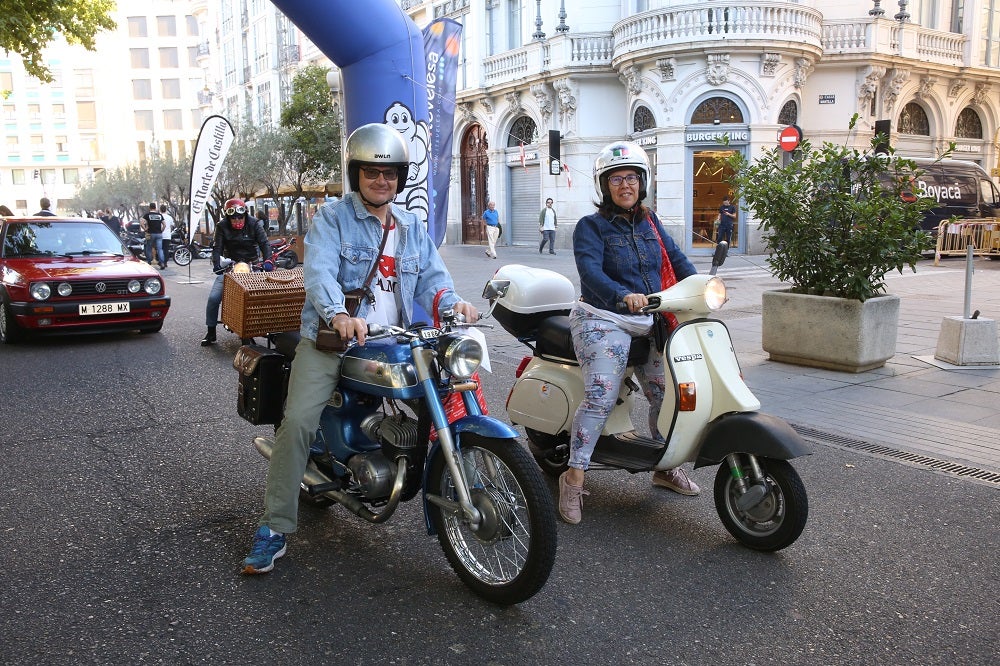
<point>620,248</point>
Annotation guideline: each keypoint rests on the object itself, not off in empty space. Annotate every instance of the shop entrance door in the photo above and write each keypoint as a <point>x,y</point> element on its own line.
<point>708,187</point>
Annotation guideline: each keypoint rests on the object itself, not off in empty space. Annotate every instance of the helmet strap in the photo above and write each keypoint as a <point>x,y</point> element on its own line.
<point>376,205</point>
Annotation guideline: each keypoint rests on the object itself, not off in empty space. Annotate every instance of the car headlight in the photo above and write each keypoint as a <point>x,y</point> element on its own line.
<point>64,289</point>
<point>134,286</point>
<point>715,293</point>
<point>459,354</point>
<point>40,291</point>
<point>153,286</point>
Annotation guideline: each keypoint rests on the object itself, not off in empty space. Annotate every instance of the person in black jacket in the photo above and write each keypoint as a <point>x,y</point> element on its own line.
<point>46,205</point>
<point>238,237</point>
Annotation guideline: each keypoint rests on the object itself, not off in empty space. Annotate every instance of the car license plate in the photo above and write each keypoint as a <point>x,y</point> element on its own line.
<point>103,308</point>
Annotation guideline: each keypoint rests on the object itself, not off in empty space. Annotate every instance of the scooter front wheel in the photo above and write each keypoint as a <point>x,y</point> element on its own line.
<point>775,521</point>
<point>508,557</point>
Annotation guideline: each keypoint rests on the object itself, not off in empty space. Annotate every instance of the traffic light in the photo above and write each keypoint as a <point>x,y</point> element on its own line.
<point>35,174</point>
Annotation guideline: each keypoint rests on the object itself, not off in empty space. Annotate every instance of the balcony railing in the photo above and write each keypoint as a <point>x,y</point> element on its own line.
<point>563,52</point>
<point>707,22</point>
<point>867,36</point>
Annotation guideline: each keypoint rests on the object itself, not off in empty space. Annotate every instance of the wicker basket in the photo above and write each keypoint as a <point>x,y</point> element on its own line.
<point>255,304</point>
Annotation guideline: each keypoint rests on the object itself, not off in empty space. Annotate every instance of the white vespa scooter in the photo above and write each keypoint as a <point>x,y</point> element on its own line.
<point>709,418</point>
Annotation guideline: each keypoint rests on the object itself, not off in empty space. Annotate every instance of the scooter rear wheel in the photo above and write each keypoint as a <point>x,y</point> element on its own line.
<point>777,520</point>
<point>543,448</point>
<point>508,557</point>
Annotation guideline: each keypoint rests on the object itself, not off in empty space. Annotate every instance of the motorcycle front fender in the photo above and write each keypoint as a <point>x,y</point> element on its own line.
<point>749,432</point>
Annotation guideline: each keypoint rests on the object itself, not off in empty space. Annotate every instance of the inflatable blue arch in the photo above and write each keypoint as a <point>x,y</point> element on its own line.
<point>380,53</point>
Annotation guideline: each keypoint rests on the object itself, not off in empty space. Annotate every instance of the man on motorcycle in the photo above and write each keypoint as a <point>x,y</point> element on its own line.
<point>239,239</point>
<point>342,245</point>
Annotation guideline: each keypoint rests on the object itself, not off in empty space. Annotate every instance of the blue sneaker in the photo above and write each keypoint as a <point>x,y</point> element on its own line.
<point>266,549</point>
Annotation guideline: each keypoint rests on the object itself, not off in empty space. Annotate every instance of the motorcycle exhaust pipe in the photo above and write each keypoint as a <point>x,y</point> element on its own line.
<point>314,477</point>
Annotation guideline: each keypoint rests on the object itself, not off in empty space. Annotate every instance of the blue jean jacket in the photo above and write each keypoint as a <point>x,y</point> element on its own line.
<point>341,246</point>
<point>616,258</point>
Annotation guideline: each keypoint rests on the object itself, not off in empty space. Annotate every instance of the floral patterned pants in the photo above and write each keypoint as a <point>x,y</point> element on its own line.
<point>602,349</point>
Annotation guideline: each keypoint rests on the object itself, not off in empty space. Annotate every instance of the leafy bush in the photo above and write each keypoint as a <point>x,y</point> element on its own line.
<point>836,219</point>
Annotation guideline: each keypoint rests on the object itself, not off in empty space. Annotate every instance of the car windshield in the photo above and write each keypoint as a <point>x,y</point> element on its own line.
<point>59,239</point>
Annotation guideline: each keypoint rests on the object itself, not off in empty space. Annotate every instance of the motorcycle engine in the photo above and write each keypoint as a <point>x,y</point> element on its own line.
<point>373,471</point>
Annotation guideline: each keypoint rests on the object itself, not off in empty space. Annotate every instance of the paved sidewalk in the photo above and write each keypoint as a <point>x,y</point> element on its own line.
<point>914,409</point>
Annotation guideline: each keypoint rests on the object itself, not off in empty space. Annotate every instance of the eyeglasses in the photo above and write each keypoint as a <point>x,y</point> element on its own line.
<point>631,179</point>
<point>235,210</point>
<point>372,173</point>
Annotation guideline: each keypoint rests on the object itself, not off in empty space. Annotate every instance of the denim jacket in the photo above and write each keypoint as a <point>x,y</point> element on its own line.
<point>616,258</point>
<point>341,246</point>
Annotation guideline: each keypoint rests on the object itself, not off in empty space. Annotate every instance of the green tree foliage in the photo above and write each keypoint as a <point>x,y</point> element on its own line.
<point>27,26</point>
<point>313,125</point>
<point>837,219</point>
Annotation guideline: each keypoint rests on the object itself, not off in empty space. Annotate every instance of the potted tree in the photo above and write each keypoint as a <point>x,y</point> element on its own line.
<point>836,220</point>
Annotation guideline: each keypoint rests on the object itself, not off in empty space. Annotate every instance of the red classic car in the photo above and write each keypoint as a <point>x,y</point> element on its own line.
<point>73,275</point>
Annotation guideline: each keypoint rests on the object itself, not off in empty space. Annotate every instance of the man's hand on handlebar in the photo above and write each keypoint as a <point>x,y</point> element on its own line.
<point>468,310</point>
<point>350,327</point>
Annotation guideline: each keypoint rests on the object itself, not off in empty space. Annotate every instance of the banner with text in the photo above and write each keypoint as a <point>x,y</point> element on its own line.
<point>441,47</point>
<point>214,140</point>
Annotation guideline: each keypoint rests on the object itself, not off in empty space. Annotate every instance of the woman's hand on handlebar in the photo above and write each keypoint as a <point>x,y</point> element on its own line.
<point>635,302</point>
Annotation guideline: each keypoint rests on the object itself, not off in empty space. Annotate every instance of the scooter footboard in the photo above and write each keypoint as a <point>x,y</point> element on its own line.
<point>749,432</point>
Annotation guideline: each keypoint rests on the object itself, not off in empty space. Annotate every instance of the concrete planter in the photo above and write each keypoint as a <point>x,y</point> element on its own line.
<point>827,332</point>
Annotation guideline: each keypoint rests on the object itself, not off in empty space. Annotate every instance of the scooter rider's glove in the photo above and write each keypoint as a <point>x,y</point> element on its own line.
<point>218,270</point>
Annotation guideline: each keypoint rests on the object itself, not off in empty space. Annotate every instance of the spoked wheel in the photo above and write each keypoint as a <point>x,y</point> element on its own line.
<point>509,556</point>
<point>543,449</point>
<point>182,255</point>
<point>288,261</point>
<point>774,522</point>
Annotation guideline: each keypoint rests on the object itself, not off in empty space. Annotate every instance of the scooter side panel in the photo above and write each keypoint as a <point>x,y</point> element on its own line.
<point>752,432</point>
<point>546,395</point>
<point>729,392</point>
<point>684,363</point>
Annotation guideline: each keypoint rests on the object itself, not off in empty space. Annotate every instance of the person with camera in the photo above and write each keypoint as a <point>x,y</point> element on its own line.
<point>239,238</point>
<point>362,238</point>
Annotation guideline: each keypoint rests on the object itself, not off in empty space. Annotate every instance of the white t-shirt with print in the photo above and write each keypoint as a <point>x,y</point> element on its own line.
<point>385,285</point>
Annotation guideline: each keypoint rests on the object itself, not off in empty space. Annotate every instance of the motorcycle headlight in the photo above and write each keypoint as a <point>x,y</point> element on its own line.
<point>715,293</point>
<point>40,291</point>
<point>459,354</point>
<point>153,286</point>
<point>64,289</point>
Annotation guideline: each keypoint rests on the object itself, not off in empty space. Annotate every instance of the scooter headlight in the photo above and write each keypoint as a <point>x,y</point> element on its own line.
<point>715,293</point>
<point>459,354</point>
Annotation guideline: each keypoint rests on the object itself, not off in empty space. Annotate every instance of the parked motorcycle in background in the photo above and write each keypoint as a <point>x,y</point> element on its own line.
<point>482,495</point>
<point>708,417</point>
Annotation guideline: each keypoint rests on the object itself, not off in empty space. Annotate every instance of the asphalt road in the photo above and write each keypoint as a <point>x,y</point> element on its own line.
<point>129,492</point>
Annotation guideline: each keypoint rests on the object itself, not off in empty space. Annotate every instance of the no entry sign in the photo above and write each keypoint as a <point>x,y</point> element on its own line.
<point>789,138</point>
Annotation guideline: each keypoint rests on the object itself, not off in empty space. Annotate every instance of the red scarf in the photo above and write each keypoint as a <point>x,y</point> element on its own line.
<point>667,277</point>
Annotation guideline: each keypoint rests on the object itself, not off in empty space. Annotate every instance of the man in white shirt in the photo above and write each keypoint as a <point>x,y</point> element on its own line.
<point>547,224</point>
<point>168,228</point>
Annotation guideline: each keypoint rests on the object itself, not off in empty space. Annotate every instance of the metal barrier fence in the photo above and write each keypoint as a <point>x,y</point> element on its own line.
<point>954,238</point>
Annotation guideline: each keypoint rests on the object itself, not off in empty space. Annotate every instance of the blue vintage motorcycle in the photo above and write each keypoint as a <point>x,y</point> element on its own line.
<point>385,437</point>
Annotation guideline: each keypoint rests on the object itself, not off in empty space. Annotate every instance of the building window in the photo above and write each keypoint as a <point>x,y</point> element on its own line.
<point>192,56</point>
<point>59,111</point>
<point>139,58</point>
<point>86,115</point>
<point>715,111</point>
<point>48,176</point>
<point>789,113</point>
<point>196,118</point>
<point>71,176</point>
<point>172,119</point>
<point>166,26</point>
<point>913,120</point>
<point>643,119</point>
<point>989,49</point>
<point>35,111</point>
<point>171,88</point>
<point>168,57</point>
<point>264,103</point>
<point>17,176</point>
<point>969,126</point>
<point>142,89</point>
<point>13,144</point>
<point>9,112</point>
<point>144,120</point>
<point>83,80</point>
<point>513,24</point>
<point>523,131</point>
<point>62,145</point>
<point>192,25</point>
<point>137,26</point>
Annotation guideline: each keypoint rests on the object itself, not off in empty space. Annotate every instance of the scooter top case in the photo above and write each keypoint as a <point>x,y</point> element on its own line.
<point>534,295</point>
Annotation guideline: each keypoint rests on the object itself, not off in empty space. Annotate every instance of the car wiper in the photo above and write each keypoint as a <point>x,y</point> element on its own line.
<point>85,253</point>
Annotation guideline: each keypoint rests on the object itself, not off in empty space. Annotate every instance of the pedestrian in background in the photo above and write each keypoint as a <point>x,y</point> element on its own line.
<point>45,204</point>
<point>152,226</point>
<point>547,224</point>
<point>727,219</point>
<point>492,220</point>
<point>168,230</point>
